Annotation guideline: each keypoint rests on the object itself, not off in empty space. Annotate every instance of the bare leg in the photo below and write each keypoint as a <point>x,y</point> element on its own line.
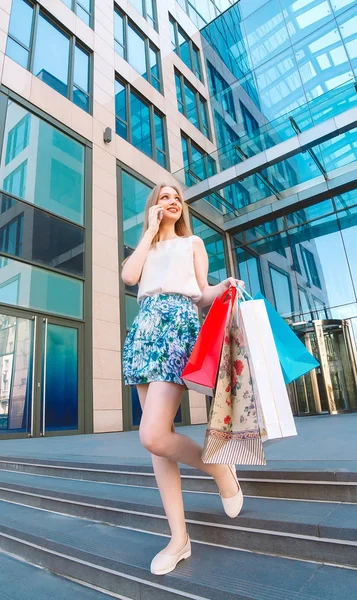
<point>161,404</point>
<point>168,479</point>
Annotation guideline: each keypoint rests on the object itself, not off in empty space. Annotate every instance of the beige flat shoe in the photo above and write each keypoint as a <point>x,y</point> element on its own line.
<point>233,505</point>
<point>164,563</point>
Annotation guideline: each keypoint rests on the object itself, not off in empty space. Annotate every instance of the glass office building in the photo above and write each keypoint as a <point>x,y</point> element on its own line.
<point>251,106</point>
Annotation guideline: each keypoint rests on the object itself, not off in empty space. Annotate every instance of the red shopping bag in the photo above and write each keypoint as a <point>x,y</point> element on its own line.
<point>200,373</point>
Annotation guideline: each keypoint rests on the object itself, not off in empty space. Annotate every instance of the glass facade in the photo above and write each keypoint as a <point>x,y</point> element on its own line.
<point>140,123</point>
<point>39,44</point>
<point>42,274</point>
<point>132,45</point>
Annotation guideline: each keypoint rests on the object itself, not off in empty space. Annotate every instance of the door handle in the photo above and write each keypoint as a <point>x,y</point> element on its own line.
<point>33,376</point>
<point>44,380</point>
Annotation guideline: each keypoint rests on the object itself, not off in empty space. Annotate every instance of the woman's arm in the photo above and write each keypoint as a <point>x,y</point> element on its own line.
<point>209,292</point>
<point>134,265</point>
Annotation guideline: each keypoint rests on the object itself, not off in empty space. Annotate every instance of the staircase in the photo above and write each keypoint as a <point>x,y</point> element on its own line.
<point>99,526</point>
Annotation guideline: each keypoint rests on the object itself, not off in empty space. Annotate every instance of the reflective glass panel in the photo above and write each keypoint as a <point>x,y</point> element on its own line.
<point>16,367</point>
<point>134,194</point>
<point>51,171</point>
<point>51,55</point>
<point>20,28</point>
<point>81,69</point>
<point>140,125</point>
<point>38,236</point>
<point>30,287</point>
<point>119,33</point>
<point>121,110</point>
<point>265,32</point>
<point>347,22</point>
<point>214,243</point>
<point>59,396</point>
<point>281,290</point>
<point>136,51</point>
<point>191,105</point>
<point>322,61</point>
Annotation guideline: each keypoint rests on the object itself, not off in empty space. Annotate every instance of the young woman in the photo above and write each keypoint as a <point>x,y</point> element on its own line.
<point>171,265</point>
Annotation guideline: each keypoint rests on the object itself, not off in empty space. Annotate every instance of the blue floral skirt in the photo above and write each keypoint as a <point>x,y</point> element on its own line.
<point>160,340</point>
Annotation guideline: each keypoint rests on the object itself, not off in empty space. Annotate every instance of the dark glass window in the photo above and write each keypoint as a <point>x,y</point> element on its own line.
<point>48,53</point>
<point>250,123</point>
<point>49,240</point>
<point>185,48</point>
<point>192,104</point>
<point>136,49</point>
<point>83,8</point>
<point>146,129</point>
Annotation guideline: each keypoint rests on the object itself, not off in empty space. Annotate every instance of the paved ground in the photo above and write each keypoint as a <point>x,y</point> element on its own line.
<point>324,443</point>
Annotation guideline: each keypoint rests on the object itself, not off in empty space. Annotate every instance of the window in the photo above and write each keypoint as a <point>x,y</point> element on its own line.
<point>15,181</point>
<point>147,8</point>
<point>51,174</point>
<point>250,124</point>
<point>136,49</point>
<point>40,45</point>
<point>310,267</point>
<point>221,90</point>
<point>214,243</point>
<point>82,8</point>
<point>249,271</point>
<point>140,123</point>
<point>185,48</point>
<point>53,242</point>
<point>30,287</point>
<point>192,105</point>
<point>18,138</point>
<point>282,291</point>
<point>198,164</point>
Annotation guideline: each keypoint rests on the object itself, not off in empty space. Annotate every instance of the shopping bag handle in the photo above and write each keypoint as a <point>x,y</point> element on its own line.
<point>229,293</point>
<point>243,292</point>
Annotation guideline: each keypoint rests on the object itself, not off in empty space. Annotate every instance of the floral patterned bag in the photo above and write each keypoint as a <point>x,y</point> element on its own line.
<point>235,429</point>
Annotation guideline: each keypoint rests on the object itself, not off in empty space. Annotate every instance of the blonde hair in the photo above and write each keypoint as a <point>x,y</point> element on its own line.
<point>182,226</point>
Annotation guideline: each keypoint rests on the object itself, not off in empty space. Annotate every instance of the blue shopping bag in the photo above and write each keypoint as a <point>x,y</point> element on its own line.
<point>295,359</point>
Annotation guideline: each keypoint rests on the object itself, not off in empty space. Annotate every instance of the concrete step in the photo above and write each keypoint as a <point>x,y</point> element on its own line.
<point>308,530</point>
<point>117,560</point>
<point>334,485</point>
<point>23,581</point>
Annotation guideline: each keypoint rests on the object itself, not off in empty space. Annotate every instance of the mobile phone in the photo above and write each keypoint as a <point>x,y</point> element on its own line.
<point>161,213</point>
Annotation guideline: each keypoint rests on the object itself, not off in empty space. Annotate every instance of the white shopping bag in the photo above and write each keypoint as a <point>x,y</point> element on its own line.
<point>268,381</point>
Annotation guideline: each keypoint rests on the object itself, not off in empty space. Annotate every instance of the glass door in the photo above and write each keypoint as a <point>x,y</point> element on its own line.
<point>60,396</point>
<point>41,375</point>
<point>17,363</point>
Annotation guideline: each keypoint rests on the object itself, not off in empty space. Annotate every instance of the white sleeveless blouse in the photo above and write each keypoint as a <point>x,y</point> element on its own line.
<point>169,269</point>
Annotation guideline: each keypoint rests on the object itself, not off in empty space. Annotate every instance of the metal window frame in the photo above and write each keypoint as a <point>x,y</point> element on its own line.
<point>73,41</point>
<point>199,98</point>
<point>129,89</point>
<point>148,44</point>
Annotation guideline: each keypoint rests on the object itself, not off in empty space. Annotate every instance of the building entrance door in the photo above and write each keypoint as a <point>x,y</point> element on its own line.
<point>332,387</point>
<point>40,375</point>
